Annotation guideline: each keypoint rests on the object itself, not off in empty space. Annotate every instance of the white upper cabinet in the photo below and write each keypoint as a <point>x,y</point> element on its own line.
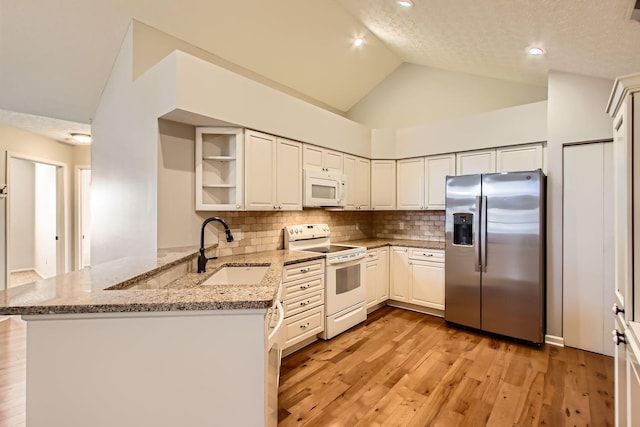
<point>474,162</point>
<point>218,169</point>
<point>322,159</point>
<point>436,169</point>
<point>383,184</point>
<point>358,173</point>
<point>519,158</point>
<point>288,174</point>
<point>410,185</point>
<point>273,172</point>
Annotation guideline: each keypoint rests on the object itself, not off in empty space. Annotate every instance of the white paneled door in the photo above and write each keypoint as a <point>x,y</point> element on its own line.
<point>588,263</point>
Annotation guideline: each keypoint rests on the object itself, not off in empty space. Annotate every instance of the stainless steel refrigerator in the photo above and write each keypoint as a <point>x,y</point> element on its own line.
<point>495,253</point>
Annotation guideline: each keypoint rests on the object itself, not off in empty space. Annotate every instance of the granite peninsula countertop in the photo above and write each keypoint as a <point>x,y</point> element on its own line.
<point>132,285</point>
<point>378,243</point>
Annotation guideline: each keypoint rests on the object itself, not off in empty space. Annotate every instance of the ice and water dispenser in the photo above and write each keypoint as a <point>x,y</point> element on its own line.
<point>463,229</point>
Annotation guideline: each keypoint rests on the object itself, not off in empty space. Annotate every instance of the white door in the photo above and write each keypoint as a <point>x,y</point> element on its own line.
<point>352,190</point>
<point>288,174</point>
<point>259,171</point>
<point>474,162</point>
<point>363,183</point>
<point>410,185</point>
<point>588,247</point>
<point>436,169</point>
<point>522,158</point>
<point>383,184</point>
<point>400,275</point>
<point>85,217</point>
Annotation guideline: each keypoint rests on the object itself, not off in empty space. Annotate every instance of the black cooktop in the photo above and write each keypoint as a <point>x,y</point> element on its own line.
<point>328,249</point>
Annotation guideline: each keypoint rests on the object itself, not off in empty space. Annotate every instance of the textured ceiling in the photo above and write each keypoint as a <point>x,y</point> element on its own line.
<point>489,37</point>
<point>59,130</point>
<point>56,56</point>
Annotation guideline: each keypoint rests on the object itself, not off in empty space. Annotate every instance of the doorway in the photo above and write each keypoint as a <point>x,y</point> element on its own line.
<point>35,220</point>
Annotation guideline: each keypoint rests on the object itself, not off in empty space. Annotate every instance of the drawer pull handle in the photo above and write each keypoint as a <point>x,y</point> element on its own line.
<point>304,270</point>
<point>305,326</point>
<point>371,255</point>
<point>303,303</point>
<point>305,286</point>
<point>427,254</point>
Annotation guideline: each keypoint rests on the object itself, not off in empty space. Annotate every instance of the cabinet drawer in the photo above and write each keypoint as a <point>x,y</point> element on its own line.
<point>302,269</point>
<point>297,305</point>
<point>304,325</point>
<point>302,286</point>
<point>433,255</point>
<point>372,254</point>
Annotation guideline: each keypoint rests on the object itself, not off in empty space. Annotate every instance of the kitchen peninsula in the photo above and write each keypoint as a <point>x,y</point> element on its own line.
<point>140,341</point>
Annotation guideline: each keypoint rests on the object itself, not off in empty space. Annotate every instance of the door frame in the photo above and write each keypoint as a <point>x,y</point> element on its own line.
<point>62,220</point>
<point>78,214</point>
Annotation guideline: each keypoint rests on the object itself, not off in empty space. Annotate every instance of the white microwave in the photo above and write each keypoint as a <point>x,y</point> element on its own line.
<point>323,189</point>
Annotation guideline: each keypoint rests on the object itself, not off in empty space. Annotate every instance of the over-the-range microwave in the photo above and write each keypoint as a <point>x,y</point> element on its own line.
<point>323,189</point>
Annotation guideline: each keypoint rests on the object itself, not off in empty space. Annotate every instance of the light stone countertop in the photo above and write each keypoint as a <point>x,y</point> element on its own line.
<point>135,286</point>
<point>378,243</point>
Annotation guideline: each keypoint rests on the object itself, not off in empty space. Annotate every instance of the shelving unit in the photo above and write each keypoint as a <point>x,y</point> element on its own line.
<point>219,174</point>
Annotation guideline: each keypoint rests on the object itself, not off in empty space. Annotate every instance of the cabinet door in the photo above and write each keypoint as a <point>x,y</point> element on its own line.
<point>473,162</point>
<point>383,274</point>
<point>383,184</point>
<point>288,174</point>
<point>620,378</point>
<point>427,284</point>
<point>373,273</point>
<point>410,185</point>
<point>516,159</point>
<point>436,169</point>
<point>350,166</point>
<point>260,173</point>
<point>363,183</point>
<point>332,161</point>
<point>312,157</point>
<point>400,276</point>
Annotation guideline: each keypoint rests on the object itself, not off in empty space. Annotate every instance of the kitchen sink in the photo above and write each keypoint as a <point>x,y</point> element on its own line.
<point>235,275</point>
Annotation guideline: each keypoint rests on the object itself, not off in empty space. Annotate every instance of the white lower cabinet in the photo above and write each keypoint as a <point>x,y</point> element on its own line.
<point>400,274</point>
<point>303,301</point>
<point>377,276</point>
<point>417,276</point>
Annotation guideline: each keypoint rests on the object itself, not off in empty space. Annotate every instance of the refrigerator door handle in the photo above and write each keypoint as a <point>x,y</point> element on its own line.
<point>476,234</point>
<point>483,234</point>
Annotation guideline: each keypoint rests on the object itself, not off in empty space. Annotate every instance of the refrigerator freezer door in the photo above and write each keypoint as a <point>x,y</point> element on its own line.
<point>462,272</point>
<point>513,255</point>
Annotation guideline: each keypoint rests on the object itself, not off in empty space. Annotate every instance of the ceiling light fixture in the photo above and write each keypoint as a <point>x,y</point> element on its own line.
<point>535,51</point>
<point>82,138</point>
<point>405,3</point>
<point>358,42</point>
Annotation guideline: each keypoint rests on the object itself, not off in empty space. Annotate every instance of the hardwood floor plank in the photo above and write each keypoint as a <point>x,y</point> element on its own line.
<point>409,369</point>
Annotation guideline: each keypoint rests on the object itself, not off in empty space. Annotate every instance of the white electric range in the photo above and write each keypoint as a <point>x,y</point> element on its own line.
<point>345,275</point>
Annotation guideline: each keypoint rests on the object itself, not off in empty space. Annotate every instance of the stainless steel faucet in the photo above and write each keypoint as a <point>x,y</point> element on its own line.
<point>202,259</point>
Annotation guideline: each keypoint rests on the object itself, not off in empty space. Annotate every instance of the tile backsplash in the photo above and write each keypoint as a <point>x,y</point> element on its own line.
<point>411,225</point>
<point>262,231</point>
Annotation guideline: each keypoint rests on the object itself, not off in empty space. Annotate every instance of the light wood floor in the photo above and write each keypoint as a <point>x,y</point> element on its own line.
<point>406,369</point>
<point>18,278</point>
<point>402,368</point>
<point>13,344</point>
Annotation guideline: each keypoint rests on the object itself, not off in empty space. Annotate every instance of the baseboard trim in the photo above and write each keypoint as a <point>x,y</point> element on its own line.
<point>553,340</point>
<point>417,308</point>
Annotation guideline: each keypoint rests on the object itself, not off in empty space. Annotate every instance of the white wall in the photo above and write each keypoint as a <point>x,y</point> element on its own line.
<point>22,215</point>
<point>45,220</point>
<point>416,94</point>
<point>576,112</point>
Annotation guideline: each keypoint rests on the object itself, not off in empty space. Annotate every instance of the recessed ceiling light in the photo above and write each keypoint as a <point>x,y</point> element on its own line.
<point>358,42</point>
<point>535,51</point>
<point>405,3</point>
<point>82,138</point>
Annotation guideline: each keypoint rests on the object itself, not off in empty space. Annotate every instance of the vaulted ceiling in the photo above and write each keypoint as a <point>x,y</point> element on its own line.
<point>56,56</point>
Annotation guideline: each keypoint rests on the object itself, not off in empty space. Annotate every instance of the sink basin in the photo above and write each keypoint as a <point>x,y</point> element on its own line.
<point>251,275</point>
